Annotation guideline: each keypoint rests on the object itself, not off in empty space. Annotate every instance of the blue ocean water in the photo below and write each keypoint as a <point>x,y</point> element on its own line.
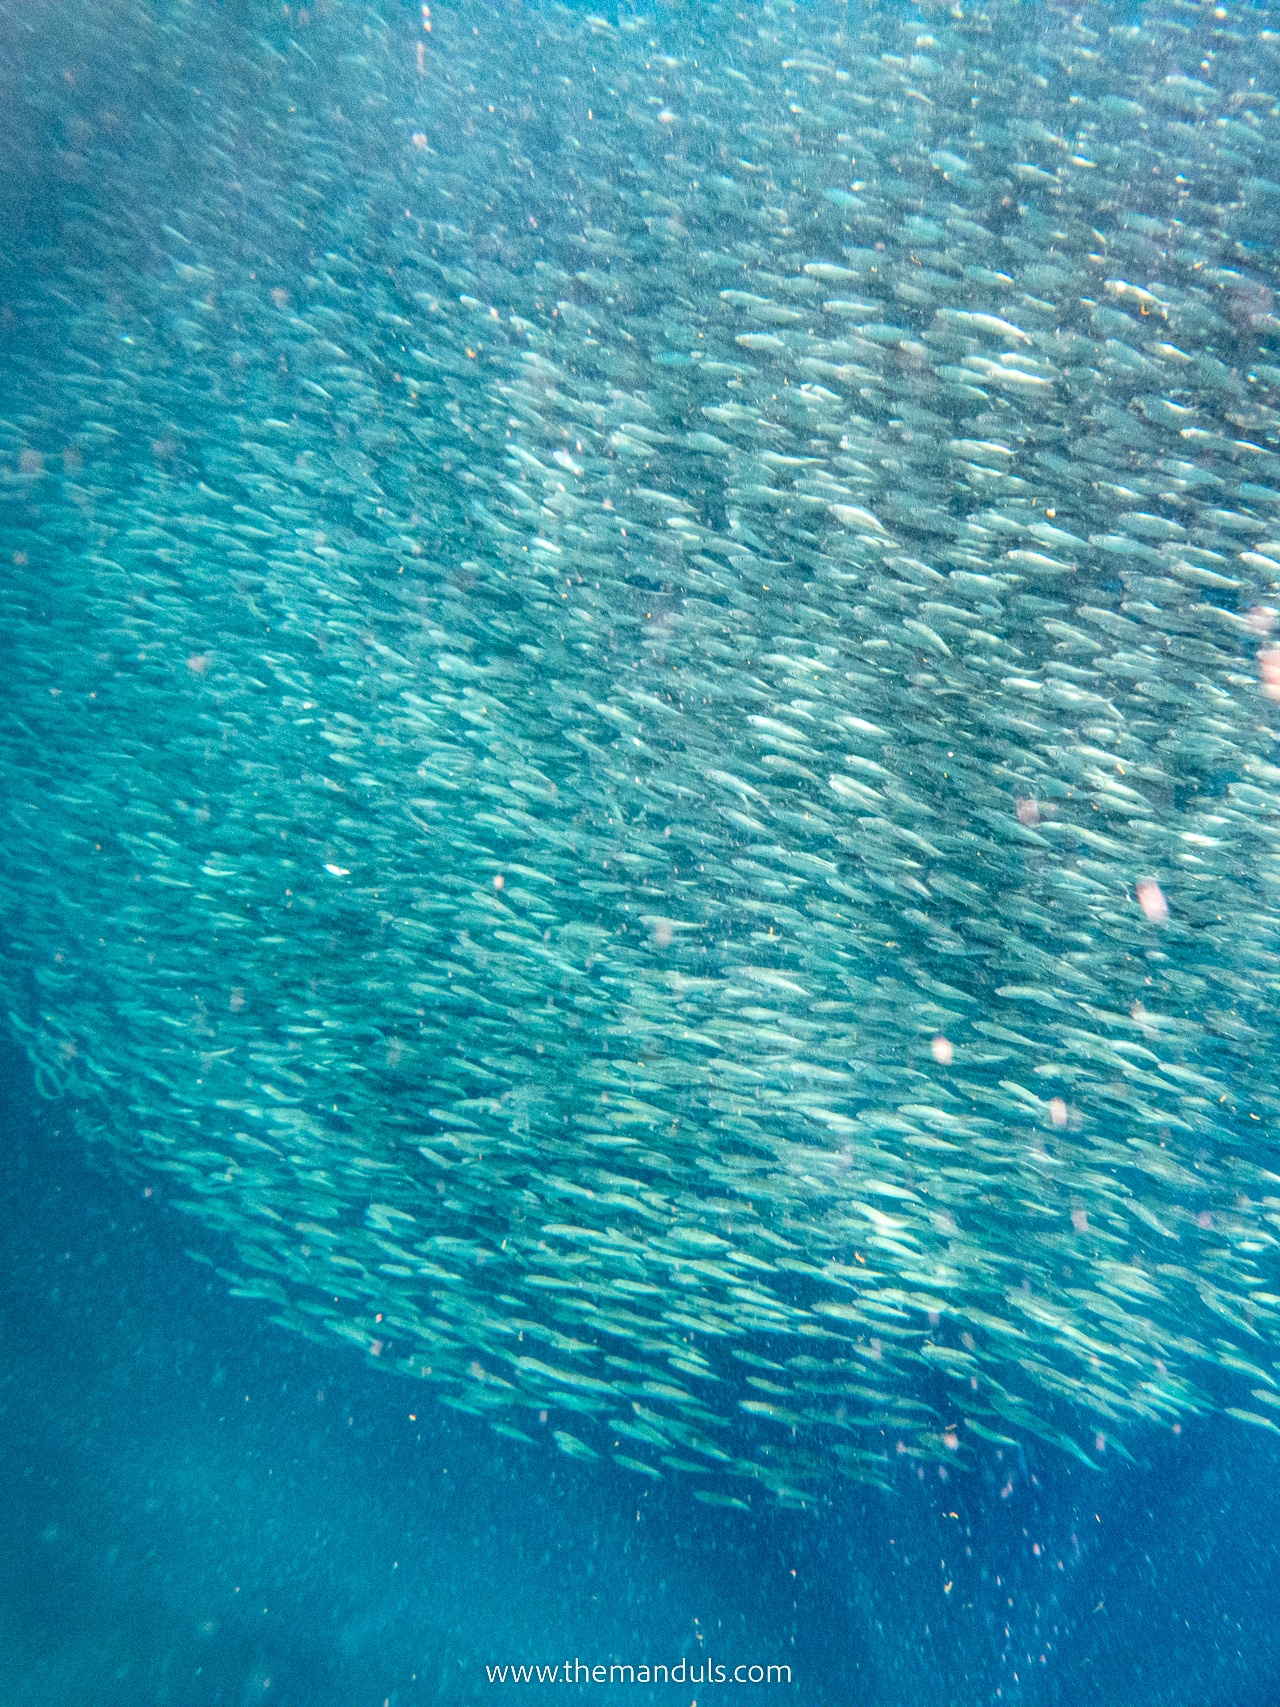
<point>246,390</point>
<point>200,1508</point>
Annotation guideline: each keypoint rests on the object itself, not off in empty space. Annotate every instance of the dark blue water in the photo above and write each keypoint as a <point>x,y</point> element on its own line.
<point>202,1509</point>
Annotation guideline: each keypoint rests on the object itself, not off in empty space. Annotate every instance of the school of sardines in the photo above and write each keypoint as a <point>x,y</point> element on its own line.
<point>640,738</point>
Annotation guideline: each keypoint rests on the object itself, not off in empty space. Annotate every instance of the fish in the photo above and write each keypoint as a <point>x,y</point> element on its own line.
<point>580,802</point>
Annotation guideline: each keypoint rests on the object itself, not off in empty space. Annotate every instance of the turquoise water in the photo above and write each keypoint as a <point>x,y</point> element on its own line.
<point>188,1517</point>
<point>639,811</point>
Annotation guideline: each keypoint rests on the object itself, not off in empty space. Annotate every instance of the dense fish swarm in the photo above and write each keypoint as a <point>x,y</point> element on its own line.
<point>639,736</point>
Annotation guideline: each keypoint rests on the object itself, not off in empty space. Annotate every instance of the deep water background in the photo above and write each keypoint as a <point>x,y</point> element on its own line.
<point>200,1508</point>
